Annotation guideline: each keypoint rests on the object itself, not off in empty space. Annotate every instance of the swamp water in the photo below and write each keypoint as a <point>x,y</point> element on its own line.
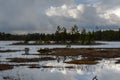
<point>55,68</point>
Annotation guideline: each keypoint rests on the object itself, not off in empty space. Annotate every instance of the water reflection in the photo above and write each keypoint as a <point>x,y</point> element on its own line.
<point>95,78</point>
<point>23,73</point>
<point>57,69</point>
<point>108,71</point>
<point>66,58</point>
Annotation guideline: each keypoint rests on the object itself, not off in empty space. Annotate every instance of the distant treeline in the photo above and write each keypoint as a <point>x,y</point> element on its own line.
<point>62,35</point>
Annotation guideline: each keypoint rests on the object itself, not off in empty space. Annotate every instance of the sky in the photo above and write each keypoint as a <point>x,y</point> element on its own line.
<point>43,16</point>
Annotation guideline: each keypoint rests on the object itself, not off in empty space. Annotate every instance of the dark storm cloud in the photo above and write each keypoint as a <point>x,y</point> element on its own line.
<point>26,15</point>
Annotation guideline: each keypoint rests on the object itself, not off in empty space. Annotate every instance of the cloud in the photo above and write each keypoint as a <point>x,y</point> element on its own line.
<point>82,15</point>
<point>65,11</point>
<point>109,3</point>
<point>23,16</point>
<point>95,14</point>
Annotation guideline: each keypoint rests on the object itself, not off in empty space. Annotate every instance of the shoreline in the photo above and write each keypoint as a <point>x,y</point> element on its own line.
<point>22,43</point>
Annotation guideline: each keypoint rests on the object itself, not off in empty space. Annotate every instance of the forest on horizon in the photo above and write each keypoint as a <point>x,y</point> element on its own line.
<point>61,35</point>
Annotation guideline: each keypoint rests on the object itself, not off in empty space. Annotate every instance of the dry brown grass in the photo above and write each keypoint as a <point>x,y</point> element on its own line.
<point>82,62</point>
<point>106,53</point>
<point>3,51</point>
<point>118,62</point>
<point>88,61</point>
<point>20,60</point>
<point>38,66</point>
<point>5,67</point>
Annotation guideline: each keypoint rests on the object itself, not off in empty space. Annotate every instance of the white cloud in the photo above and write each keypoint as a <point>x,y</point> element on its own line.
<point>82,15</point>
<point>86,14</point>
<point>65,11</point>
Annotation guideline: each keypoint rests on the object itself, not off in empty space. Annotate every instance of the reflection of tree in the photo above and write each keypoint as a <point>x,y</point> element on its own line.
<point>26,50</point>
<point>61,58</point>
<point>58,59</point>
<point>64,58</point>
<point>95,78</point>
<point>74,57</point>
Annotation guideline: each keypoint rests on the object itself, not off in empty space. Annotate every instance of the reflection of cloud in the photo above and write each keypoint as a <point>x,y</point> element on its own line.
<point>109,74</point>
<point>101,71</point>
<point>60,75</point>
<point>107,70</point>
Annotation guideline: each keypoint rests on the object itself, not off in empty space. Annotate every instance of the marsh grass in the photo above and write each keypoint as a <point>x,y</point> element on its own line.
<point>4,51</point>
<point>87,61</point>
<point>21,60</point>
<point>118,62</point>
<point>5,67</point>
<point>99,53</point>
<point>82,62</point>
<point>38,66</point>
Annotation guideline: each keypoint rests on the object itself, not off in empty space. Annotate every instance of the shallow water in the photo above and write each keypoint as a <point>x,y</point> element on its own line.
<point>104,70</point>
